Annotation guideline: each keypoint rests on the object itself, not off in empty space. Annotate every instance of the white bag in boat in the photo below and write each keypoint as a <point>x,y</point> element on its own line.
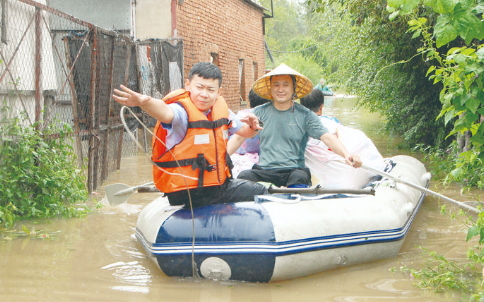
<point>332,175</point>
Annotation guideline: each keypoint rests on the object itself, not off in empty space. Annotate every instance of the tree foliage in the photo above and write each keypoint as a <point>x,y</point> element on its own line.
<point>374,58</point>
<point>452,43</point>
<point>289,41</point>
<point>285,25</point>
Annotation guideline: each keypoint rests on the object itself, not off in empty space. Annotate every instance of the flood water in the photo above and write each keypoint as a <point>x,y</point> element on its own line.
<point>97,258</point>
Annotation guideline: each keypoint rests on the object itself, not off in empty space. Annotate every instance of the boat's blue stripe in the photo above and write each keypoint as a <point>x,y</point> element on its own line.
<point>280,248</point>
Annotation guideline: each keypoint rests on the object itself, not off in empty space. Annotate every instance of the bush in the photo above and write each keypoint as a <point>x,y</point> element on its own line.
<point>449,165</point>
<point>38,175</point>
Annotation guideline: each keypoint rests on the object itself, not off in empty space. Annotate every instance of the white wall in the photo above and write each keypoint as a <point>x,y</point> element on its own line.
<point>153,19</point>
<point>107,14</point>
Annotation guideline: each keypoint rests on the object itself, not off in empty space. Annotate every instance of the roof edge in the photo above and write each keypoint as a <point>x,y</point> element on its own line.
<point>256,5</point>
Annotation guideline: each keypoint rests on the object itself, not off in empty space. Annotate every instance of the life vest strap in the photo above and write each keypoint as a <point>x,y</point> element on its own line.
<point>198,162</point>
<point>209,124</point>
<point>229,162</point>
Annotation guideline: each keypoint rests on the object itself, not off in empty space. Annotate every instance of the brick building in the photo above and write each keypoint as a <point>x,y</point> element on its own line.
<point>228,33</point>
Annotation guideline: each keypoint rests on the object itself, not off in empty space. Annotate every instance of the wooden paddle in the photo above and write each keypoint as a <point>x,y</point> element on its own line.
<point>118,193</point>
<point>317,191</point>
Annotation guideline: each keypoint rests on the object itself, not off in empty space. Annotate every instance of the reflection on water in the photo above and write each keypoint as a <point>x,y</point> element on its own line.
<point>97,258</point>
<point>130,273</point>
<point>344,109</point>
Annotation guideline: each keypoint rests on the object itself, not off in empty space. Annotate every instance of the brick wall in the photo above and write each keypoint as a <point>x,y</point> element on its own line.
<point>226,31</point>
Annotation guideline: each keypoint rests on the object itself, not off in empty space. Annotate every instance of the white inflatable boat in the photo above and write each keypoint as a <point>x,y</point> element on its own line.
<point>269,240</point>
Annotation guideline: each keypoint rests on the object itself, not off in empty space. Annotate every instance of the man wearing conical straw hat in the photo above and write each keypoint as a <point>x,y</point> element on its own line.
<point>286,128</point>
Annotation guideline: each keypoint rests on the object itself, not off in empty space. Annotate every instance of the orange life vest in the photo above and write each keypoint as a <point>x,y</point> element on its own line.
<point>202,153</point>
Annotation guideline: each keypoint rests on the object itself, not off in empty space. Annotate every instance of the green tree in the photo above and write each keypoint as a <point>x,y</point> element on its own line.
<point>363,48</point>
<point>453,42</point>
<point>285,25</point>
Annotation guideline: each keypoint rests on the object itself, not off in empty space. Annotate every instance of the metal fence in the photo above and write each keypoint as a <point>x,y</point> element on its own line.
<point>59,69</point>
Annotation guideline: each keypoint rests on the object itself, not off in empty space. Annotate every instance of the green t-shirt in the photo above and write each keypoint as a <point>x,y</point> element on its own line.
<point>285,135</point>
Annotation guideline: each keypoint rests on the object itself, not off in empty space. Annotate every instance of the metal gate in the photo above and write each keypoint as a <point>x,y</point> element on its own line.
<point>59,69</point>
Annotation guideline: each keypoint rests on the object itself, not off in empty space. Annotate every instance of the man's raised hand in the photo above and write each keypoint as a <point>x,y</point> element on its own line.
<point>252,120</point>
<point>129,97</point>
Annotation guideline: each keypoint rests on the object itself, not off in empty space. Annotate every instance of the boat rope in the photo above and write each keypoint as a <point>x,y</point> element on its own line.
<point>131,135</point>
<point>141,147</point>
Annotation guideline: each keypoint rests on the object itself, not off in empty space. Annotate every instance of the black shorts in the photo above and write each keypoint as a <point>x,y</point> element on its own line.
<point>233,190</point>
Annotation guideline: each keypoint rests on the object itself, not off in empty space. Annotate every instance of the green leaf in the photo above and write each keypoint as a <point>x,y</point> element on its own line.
<point>441,6</point>
<point>25,229</point>
<point>481,111</point>
<point>394,15</point>
<point>448,116</point>
<point>468,51</point>
<point>412,22</point>
<point>467,25</point>
<point>481,237</point>
<point>444,31</point>
<point>409,5</point>
<point>454,50</point>
<point>456,173</point>
<point>480,53</point>
<point>447,101</point>
<point>472,104</point>
<point>422,20</point>
<point>464,100</point>
<point>477,138</point>
<point>431,68</point>
<point>460,58</point>
<point>472,231</point>
<point>416,33</point>
<point>395,3</point>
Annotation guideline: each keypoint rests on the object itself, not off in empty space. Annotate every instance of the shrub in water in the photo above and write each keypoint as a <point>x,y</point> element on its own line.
<point>38,175</point>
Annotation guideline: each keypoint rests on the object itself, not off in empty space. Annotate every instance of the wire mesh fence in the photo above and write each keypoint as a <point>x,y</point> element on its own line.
<point>56,69</point>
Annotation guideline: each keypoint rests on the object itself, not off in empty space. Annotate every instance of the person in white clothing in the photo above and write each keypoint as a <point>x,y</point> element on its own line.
<point>324,164</point>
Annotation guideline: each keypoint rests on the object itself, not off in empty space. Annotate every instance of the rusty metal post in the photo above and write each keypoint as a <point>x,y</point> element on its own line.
<point>126,77</point>
<point>74,101</point>
<point>108,118</point>
<point>91,182</point>
<point>38,65</point>
<point>96,113</point>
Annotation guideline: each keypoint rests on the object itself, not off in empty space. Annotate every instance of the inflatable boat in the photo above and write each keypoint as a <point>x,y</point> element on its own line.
<point>283,236</point>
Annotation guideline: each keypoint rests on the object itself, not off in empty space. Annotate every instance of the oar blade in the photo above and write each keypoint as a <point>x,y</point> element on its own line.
<point>114,199</point>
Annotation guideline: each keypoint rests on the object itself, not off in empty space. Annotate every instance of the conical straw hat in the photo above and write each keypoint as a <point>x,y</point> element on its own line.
<point>263,85</point>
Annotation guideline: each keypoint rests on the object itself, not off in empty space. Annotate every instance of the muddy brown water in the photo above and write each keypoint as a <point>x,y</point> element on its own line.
<point>97,258</point>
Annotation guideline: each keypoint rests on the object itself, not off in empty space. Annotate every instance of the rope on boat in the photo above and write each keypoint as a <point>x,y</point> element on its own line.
<point>131,135</point>
<point>420,188</point>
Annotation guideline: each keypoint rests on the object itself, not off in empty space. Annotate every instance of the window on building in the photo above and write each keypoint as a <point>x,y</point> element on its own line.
<point>255,71</point>
<point>214,58</point>
<point>242,93</point>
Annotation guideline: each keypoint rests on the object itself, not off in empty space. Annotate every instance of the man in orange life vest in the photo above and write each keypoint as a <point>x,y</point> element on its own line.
<point>194,123</point>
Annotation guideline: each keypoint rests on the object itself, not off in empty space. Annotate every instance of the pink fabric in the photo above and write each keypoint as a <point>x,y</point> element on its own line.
<point>243,162</point>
